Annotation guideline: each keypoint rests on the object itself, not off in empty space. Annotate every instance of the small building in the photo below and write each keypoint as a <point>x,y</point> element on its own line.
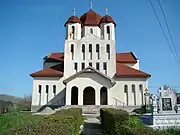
<point>89,71</point>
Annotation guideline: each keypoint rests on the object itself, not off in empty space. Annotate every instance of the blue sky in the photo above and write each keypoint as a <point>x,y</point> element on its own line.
<point>31,29</point>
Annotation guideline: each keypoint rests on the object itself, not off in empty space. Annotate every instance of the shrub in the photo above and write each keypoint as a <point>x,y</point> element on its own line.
<point>113,119</point>
<point>74,112</point>
<point>64,122</point>
<point>48,126</point>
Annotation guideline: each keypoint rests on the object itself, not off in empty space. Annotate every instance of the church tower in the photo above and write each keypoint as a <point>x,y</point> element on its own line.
<point>90,41</point>
<point>107,26</point>
<point>73,27</point>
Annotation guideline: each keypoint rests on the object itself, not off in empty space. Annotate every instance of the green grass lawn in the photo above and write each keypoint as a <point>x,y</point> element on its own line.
<point>15,119</point>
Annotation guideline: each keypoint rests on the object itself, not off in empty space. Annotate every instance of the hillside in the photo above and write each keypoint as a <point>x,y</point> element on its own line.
<point>13,99</point>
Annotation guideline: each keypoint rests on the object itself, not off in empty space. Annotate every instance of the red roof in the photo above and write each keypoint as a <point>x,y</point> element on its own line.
<point>54,71</point>
<point>121,69</point>
<point>91,18</point>
<point>73,19</point>
<point>107,19</point>
<point>57,56</point>
<point>128,72</point>
<point>127,57</point>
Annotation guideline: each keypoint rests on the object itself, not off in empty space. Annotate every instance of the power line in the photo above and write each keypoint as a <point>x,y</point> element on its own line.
<point>162,29</point>
<point>163,13</point>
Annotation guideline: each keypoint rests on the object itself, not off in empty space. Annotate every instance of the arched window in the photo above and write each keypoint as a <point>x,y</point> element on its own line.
<point>108,32</point>
<point>90,48</point>
<point>72,51</point>
<point>83,51</point>
<point>83,48</point>
<point>107,48</point>
<point>126,94</point>
<point>125,89</point>
<point>90,51</point>
<point>40,90</point>
<point>105,67</point>
<point>73,31</point>
<point>97,51</point>
<point>76,67</point>
<point>108,29</point>
<point>91,30</point>
<point>40,87</point>
<point>134,93</point>
<point>54,90</point>
<point>141,91</point>
<point>108,51</point>
<point>47,88</point>
<point>72,48</point>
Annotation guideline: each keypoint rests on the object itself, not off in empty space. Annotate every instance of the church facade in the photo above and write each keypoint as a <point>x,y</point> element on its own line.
<point>89,71</point>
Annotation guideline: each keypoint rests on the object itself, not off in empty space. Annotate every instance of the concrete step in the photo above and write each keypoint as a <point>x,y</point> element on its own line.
<point>94,109</point>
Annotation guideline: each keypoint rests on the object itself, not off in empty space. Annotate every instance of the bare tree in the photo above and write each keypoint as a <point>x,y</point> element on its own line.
<point>27,101</point>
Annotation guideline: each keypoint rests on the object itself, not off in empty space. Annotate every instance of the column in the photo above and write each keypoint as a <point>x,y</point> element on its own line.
<point>68,96</point>
<point>97,96</point>
<point>80,96</point>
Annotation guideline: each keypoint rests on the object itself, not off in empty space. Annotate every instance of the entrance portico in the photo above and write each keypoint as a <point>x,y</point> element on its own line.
<point>93,89</point>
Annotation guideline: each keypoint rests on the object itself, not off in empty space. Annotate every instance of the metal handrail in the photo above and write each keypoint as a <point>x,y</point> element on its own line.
<point>117,100</point>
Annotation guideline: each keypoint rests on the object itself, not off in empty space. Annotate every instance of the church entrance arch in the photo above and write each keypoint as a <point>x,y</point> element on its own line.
<point>74,95</point>
<point>103,96</point>
<point>89,96</point>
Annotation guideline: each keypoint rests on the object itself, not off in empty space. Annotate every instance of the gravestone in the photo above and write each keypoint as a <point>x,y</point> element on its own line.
<point>166,111</point>
<point>167,101</point>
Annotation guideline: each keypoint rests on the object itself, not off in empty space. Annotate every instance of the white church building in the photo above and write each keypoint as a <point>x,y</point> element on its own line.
<point>89,71</point>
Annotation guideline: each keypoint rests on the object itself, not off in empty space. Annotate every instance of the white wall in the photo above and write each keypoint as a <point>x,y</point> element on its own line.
<point>89,39</point>
<point>118,90</point>
<point>43,81</point>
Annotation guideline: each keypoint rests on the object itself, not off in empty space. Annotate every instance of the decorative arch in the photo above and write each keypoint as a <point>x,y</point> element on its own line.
<point>103,96</point>
<point>74,95</point>
<point>89,96</point>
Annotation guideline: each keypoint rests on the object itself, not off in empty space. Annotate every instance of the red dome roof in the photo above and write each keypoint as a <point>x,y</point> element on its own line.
<point>73,19</point>
<point>91,18</point>
<point>107,19</point>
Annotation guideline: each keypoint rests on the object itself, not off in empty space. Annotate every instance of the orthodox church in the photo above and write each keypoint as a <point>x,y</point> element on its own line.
<point>89,71</point>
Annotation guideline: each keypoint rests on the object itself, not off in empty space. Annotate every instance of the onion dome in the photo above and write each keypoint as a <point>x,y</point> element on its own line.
<point>91,18</point>
<point>107,19</point>
<point>73,19</point>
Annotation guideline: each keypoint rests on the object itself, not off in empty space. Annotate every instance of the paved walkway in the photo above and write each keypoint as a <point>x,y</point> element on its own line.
<point>92,126</point>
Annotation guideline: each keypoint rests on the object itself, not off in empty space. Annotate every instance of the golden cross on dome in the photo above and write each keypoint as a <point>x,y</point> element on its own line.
<point>74,11</point>
<point>106,11</point>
